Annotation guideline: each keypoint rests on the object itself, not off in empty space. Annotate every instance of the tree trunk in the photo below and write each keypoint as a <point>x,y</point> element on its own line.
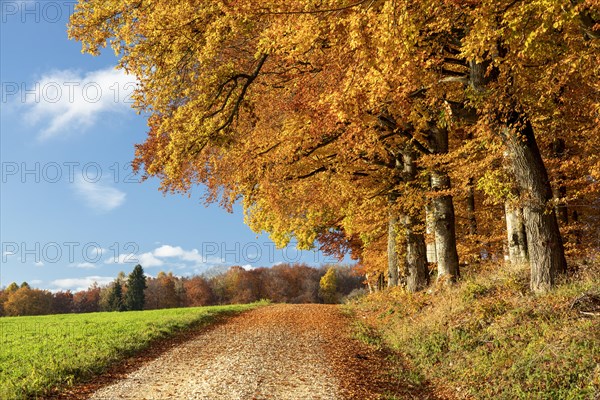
<point>415,271</point>
<point>517,239</point>
<point>417,274</point>
<point>392,251</point>
<point>443,212</point>
<point>380,282</point>
<point>369,286</point>
<point>544,243</point>
<point>560,191</point>
<point>444,229</point>
<point>471,208</point>
<point>561,210</point>
<point>430,232</point>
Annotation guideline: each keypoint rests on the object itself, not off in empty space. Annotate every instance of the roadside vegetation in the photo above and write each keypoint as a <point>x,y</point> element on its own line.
<point>40,353</point>
<point>488,337</point>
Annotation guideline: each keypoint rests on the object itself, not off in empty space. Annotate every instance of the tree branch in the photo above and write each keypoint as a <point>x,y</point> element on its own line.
<point>391,124</point>
<point>327,10</point>
<point>238,102</point>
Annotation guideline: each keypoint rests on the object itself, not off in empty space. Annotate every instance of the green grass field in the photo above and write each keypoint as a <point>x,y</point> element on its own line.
<point>39,353</point>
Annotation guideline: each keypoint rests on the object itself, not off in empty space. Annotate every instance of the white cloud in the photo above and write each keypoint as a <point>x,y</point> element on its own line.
<point>77,284</point>
<point>166,251</point>
<point>67,101</point>
<point>85,265</point>
<point>100,196</point>
<point>39,264</point>
<point>36,282</point>
<point>147,260</point>
<point>170,257</point>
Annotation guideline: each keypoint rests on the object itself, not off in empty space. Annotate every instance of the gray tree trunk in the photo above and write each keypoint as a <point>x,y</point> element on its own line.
<point>444,229</point>
<point>515,230</point>
<point>415,271</point>
<point>443,212</point>
<point>430,232</point>
<point>471,208</point>
<point>544,242</point>
<point>392,251</point>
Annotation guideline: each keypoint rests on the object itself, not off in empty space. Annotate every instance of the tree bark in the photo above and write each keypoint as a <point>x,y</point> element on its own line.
<point>443,212</point>
<point>416,272</point>
<point>444,229</point>
<point>415,263</point>
<point>471,208</point>
<point>430,232</point>
<point>544,242</point>
<point>392,252</point>
<point>561,210</point>
<point>517,238</point>
<point>560,191</point>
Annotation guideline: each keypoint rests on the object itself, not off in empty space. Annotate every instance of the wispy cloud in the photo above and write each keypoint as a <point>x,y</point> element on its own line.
<point>100,196</point>
<point>63,102</point>
<point>77,284</point>
<point>85,265</point>
<point>168,256</point>
<point>148,260</point>
<point>167,251</point>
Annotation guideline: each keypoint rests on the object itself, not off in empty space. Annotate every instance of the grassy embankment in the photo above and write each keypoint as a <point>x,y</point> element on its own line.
<point>40,353</point>
<point>488,337</point>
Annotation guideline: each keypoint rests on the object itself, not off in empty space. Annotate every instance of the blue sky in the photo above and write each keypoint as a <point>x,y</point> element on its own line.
<point>71,212</point>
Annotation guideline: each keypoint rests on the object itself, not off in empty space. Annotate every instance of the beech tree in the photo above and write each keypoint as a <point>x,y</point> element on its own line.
<point>339,111</point>
<point>328,286</point>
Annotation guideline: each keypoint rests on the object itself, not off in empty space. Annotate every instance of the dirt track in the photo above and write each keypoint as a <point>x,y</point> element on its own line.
<point>274,352</point>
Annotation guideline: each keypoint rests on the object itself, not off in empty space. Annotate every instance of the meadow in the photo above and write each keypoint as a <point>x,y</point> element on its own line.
<point>40,353</point>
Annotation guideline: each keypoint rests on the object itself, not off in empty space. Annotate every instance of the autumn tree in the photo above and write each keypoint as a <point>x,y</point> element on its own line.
<point>26,301</point>
<point>87,300</point>
<point>328,286</point>
<point>62,302</point>
<point>339,113</point>
<point>13,287</point>
<point>197,292</point>
<point>161,292</point>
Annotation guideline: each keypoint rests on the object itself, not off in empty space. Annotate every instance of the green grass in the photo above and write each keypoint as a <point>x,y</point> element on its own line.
<point>40,353</point>
<point>489,338</point>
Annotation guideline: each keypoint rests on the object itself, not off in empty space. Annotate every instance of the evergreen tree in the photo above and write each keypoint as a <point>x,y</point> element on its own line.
<point>115,298</point>
<point>136,283</point>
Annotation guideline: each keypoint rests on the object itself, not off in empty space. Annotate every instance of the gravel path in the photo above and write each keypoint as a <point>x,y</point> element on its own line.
<point>274,352</point>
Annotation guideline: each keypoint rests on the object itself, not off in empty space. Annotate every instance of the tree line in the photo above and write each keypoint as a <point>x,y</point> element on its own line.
<point>400,131</point>
<point>285,283</point>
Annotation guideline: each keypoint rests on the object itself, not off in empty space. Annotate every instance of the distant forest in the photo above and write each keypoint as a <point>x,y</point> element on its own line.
<point>284,283</point>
